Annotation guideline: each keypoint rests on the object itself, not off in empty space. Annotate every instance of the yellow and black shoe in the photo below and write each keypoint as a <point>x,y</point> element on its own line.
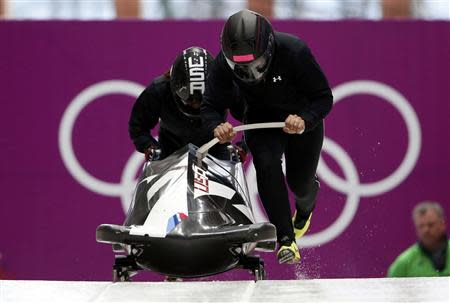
<point>301,225</point>
<point>288,254</point>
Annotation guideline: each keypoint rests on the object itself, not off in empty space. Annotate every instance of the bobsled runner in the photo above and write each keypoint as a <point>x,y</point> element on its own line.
<point>190,216</point>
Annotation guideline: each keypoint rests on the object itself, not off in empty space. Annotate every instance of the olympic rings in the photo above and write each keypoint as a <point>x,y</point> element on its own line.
<point>351,185</point>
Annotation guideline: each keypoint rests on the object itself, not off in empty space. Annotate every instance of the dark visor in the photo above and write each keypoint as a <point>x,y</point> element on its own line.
<point>186,97</point>
<point>254,70</point>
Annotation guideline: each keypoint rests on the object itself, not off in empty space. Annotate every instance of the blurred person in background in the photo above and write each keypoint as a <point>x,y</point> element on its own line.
<point>221,9</point>
<point>278,79</point>
<point>190,9</point>
<point>327,9</point>
<point>173,100</point>
<point>430,255</point>
<point>2,9</point>
<point>60,9</point>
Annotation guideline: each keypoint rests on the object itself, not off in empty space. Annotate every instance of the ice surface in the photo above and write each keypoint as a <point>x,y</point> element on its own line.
<point>323,290</point>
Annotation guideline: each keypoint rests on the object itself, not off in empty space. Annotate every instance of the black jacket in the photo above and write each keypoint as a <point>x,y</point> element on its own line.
<point>156,104</point>
<point>294,84</point>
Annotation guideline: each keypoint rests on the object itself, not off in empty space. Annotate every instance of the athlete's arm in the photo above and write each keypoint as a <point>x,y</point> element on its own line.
<point>217,98</point>
<point>144,117</point>
<point>316,87</point>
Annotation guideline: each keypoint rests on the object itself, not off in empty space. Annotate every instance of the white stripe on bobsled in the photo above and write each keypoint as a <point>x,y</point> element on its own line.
<point>172,201</point>
<point>215,189</point>
<point>245,210</point>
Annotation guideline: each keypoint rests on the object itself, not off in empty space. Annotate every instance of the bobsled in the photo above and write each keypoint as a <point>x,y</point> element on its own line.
<point>190,216</point>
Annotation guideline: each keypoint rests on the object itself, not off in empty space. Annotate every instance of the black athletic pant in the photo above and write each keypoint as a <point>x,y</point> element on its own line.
<point>302,154</point>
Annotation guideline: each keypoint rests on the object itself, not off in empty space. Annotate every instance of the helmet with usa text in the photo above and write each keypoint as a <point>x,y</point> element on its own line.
<point>187,79</point>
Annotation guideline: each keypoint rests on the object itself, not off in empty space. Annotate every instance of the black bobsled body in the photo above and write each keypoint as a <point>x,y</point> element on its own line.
<point>189,219</point>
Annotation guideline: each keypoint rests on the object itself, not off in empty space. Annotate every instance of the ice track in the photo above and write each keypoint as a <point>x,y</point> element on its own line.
<point>323,290</point>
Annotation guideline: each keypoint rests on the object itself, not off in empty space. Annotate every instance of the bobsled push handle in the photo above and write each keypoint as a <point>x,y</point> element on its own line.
<point>203,150</point>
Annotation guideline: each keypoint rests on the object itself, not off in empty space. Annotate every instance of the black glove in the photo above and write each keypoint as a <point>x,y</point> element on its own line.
<point>242,150</point>
<point>152,153</point>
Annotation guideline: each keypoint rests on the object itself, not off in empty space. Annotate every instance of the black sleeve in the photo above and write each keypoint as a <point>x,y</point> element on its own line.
<point>315,85</point>
<point>144,117</point>
<point>218,95</point>
<point>237,108</point>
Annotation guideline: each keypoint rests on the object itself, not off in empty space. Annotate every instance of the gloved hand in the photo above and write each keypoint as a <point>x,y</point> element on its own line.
<point>152,153</point>
<point>242,150</point>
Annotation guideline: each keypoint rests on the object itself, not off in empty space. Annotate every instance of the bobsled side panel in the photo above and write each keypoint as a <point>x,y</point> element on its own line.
<point>160,193</point>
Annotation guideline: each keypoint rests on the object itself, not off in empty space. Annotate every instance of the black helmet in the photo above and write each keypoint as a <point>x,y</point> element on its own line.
<point>187,79</point>
<point>248,45</point>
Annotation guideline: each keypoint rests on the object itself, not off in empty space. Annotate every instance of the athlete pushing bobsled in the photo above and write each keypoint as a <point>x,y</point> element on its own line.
<point>276,77</point>
<point>173,100</point>
<point>269,77</point>
<point>188,217</point>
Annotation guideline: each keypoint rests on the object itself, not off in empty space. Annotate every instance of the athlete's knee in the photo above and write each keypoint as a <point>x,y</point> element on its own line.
<point>302,184</point>
<point>266,163</point>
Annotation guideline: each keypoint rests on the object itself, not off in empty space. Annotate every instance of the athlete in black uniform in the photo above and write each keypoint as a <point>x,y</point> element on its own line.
<point>173,100</point>
<point>279,80</point>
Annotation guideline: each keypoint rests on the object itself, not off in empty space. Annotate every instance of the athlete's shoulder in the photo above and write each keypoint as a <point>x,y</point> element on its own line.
<point>290,42</point>
<point>161,81</point>
<point>291,49</point>
<point>159,85</point>
<point>156,91</point>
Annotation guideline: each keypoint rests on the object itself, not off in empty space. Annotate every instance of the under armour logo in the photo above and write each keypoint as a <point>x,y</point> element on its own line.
<point>275,79</point>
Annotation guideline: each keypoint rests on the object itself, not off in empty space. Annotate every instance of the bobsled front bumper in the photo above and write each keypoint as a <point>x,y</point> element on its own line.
<point>264,233</point>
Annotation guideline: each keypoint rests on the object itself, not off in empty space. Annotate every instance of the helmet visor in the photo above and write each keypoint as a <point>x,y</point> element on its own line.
<point>188,98</point>
<point>254,70</point>
<point>251,71</point>
<point>183,93</point>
